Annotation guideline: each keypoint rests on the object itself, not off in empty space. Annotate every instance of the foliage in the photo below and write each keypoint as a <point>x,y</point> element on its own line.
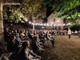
<point>12,15</point>
<point>67,8</point>
<point>31,6</point>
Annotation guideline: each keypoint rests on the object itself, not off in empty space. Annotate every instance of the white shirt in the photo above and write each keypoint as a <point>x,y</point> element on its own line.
<point>69,31</point>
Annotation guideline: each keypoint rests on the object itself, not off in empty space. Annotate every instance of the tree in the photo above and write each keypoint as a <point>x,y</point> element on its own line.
<point>67,8</point>
<point>31,7</point>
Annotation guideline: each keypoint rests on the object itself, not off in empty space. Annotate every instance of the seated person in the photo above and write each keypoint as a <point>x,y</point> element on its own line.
<point>26,53</point>
<point>18,37</point>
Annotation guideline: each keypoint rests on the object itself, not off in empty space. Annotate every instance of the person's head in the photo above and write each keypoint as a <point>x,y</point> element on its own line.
<point>26,44</point>
<point>17,34</point>
<point>7,29</point>
<point>13,37</point>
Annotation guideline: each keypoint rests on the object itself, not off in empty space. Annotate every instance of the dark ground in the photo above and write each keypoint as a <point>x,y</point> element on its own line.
<point>65,49</point>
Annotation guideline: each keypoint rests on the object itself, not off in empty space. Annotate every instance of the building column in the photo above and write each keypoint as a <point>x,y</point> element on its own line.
<point>1,25</point>
<point>33,23</point>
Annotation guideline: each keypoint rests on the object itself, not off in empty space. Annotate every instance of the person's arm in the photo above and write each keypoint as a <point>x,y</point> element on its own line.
<point>34,55</point>
<point>27,54</point>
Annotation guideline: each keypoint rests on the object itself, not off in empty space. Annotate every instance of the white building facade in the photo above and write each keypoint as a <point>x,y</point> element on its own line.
<point>56,22</point>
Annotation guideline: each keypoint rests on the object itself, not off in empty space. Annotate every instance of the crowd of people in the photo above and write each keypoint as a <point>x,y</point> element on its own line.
<point>26,44</point>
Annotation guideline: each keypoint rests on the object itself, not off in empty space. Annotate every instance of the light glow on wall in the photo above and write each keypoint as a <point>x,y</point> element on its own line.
<point>58,21</point>
<point>46,24</point>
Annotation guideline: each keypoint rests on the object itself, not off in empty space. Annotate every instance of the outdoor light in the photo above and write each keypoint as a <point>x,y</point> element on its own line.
<point>29,22</point>
<point>25,19</point>
<point>47,24</point>
<point>63,24</point>
<point>37,24</point>
<point>58,20</point>
<point>44,24</point>
<point>41,24</point>
<point>54,24</point>
<point>21,15</point>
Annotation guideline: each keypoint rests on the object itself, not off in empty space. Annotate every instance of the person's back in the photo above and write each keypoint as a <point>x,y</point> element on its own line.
<point>69,31</point>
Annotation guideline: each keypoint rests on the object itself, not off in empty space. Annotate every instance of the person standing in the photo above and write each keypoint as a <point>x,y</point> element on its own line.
<point>69,33</point>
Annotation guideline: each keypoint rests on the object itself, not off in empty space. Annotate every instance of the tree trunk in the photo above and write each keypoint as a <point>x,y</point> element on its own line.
<point>1,25</point>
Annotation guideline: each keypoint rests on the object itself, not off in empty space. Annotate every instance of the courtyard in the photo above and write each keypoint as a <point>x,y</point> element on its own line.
<point>65,49</point>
